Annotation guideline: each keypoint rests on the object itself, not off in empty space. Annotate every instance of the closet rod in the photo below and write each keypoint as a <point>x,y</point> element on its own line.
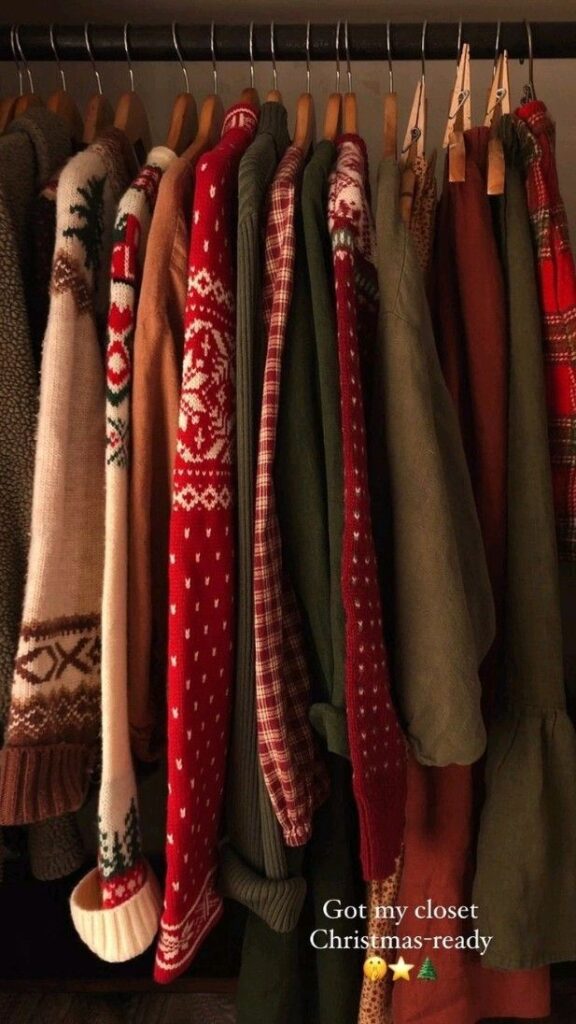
<point>366,41</point>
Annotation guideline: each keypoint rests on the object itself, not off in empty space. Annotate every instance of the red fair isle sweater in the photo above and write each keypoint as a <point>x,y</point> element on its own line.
<point>201,570</point>
<point>377,748</point>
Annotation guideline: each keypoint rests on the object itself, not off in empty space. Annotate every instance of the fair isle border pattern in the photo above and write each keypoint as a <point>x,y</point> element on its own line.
<point>178,943</point>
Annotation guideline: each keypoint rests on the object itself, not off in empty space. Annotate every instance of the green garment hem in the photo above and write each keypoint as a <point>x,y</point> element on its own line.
<point>526,872</point>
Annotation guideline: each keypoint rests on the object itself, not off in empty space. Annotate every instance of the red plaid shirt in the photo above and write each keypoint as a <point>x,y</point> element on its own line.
<point>557,280</point>
<point>295,777</point>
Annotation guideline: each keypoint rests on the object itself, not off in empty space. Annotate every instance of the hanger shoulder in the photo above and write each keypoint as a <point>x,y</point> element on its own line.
<point>209,128</point>
<point>99,115</point>
<point>333,117</point>
<point>251,97</point>
<point>390,125</point>
<point>183,123</point>
<point>27,102</point>
<point>61,103</point>
<point>7,110</point>
<point>274,96</point>
<point>131,118</point>
<point>349,113</point>
<point>304,127</point>
<point>414,146</point>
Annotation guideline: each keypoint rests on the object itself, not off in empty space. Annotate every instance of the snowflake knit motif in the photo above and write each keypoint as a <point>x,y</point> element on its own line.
<point>202,560</point>
<point>377,747</point>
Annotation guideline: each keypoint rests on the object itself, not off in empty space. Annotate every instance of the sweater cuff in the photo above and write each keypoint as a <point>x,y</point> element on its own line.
<point>55,848</point>
<point>43,781</point>
<point>116,934</point>
<point>278,901</point>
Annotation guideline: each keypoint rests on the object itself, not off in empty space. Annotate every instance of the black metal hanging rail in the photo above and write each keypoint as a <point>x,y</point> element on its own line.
<point>231,42</point>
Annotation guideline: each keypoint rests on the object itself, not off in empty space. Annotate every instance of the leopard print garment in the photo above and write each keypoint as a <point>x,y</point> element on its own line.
<point>376,996</point>
<point>424,209</point>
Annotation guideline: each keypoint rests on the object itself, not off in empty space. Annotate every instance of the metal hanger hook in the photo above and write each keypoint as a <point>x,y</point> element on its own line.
<point>308,56</point>
<point>423,51</point>
<point>459,43</point>
<point>128,58</point>
<point>273,57</point>
<point>389,52</point>
<point>57,58</point>
<point>529,90</point>
<point>251,53</point>
<point>347,53</point>
<point>496,47</point>
<point>183,68</point>
<point>91,56</point>
<point>338,56</point>
<point>213,55</point>
<point>23,58</point>
<point>16,60</point>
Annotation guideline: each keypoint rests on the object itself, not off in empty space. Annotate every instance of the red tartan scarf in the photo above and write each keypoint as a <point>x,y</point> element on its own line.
<point>295,778</point>
<point>557,281</point>
<point>202,560</point>
<point>377,747</point>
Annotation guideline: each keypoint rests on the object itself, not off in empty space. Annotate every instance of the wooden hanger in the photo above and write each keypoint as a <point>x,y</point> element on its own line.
<point>414,147</point>
<point>99,115</point>
<point>209,128</point>
<point>7,110</point>
<point>333,117</point>
<point>99,112</point>
<point>333,112</point>
<point>304,127</point>
<point>130,116</point>
<point>390,118</point>
<point>498,104</point>
<point>183,124</point>
<point>459,118</point>
<point>61,102</point>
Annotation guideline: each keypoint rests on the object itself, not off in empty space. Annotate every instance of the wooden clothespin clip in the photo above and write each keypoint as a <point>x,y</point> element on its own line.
<point>498,104</point>
<point>459,118</point>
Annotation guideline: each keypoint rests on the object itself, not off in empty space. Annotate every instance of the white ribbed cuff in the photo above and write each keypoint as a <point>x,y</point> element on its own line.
<point>117,933</point>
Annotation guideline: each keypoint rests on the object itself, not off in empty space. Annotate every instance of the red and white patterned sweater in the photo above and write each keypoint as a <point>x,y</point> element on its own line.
<point>202,560</point>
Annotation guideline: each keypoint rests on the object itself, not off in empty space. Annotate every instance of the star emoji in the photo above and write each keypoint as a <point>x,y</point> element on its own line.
<point>401,969</point>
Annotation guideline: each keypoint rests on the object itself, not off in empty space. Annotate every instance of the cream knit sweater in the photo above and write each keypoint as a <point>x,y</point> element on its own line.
<point>116,906</point>
<point>54,719</point>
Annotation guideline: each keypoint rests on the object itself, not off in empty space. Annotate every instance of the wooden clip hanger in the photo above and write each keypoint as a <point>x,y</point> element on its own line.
<point>130,116</point>
<point>498,104</point>
<point>99,112</point>
<point>459,118</point>
<point>414,147</point>
<point>183,125</point>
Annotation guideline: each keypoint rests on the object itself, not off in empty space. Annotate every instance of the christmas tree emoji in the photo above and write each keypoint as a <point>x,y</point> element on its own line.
<point>427,972</point>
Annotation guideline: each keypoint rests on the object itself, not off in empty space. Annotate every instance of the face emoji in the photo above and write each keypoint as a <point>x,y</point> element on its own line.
<point>375,968</point>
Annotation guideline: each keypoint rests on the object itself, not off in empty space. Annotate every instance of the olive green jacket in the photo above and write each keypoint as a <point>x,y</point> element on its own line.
<point>441,616</point>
